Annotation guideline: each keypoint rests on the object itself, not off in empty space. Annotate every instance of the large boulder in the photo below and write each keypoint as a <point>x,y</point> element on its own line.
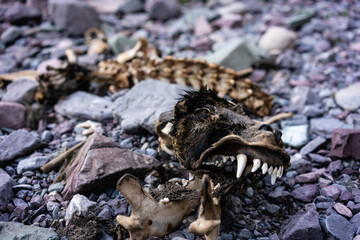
<point>101,162</point>
<point>6,184</point>
<point>74,16</point>
<point>140,108</point>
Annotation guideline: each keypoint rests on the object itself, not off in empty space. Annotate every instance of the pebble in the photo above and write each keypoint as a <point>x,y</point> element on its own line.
<point>58,187</point>
<point>339,227</point>
<point>332,192</point>
<point>343,210</point>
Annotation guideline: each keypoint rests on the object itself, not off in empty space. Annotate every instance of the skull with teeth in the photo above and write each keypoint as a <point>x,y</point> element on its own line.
<point>207,133</point>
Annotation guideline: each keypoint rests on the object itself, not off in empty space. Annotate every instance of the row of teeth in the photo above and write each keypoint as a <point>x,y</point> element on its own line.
<point>274,172</point>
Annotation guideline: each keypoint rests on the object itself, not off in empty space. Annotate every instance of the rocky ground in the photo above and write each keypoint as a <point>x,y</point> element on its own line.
<point>305,53</point>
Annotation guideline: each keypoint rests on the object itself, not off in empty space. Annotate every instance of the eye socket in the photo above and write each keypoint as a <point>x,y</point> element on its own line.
<point>266,127</point>
<point>202,110</point>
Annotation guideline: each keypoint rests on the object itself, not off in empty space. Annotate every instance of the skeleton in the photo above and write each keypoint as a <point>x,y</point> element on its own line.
<point>211,137</point>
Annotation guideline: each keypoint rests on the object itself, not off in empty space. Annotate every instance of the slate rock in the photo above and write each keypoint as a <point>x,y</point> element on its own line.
<point>10,34</point>
<point>345,143</point>
<point>130,6</point>
<point>316,158</point>
<point>79,204</point>
<point>16,144</point>
<point>7,63</point>
<point>277,38</point>
<point>120,43</point>
<point>20,14</point>
<point>195,13</point>
<point>6,185</point>
<point>299,164</point>
<point>101,162</point>
<point>312,110</point>
<point>13,230</point>
<point>119,206</point>
<point>335,167</point>
<point>302,95</point>
<point>339,227</point>
<point>301,18</point>
<point>295,136</point>
<point>12,115</point>
<point>58,187</point>
<point>21,91</point>
<point>236,54</point>
<point>349,98</point>
<point>324,126</point>
<point>332,192</point>
<point>141,106</point>
<point>162,10</point>
<point>65,14</point>
<point>304,226</point>
<point>64,127</point>
<point>86,106</point>
<point>31,163</point>
<point>306,193</point>
<point>355,220</point>
<point>310,177</point>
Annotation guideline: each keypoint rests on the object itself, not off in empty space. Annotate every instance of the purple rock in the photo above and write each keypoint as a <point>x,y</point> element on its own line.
<point>324,182</point>
<point>64,127</point>
<point>228,21</point>
<point>355,220</point>
<point>162,10</point>
<point>119,206</point>
<point>21,91</point>
<point>345,143</point>
<point>17,144</point>
<point>20,212</point>
<point>106,213</point>
<point>324,205</point>
<point>335,168</point>
<point>332,192</point>
<point>355,208</point>
<point>202,27</point>
<point>6,184</point>
<point>324,126</point>
<point>312,146</point>
<point>339,227</point>
<point>306,193</point>
<point>343,210</point>
<point>20,203</point>
<point>4,217</point>
<point>346,196</point>
<point>323,161</point>
<point>36,202</point>
<point>310,177</point>
<point>12,115</point>
<point>20,14</point>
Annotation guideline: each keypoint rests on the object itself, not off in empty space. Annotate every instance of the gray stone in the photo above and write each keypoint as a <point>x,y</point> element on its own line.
<point>21,91</point>
<point>50,206</point>
<point>233,8</point>
<point>16,144</point>
<point>302,95</point>
<point>31,163</point>
<point>12,115</point>
<point>339,227</point>
<point>304,226</point>
<point>273,209</point>
<point>301,18</point>
<point>20,14</point>
<point>58,187</point>
<point>162,10</point>
<point>194,14</point>
<point>312,111</point>
<point>10,34</point>
<point>140,108</point>
<point>13,230</point>
<point>312,146</point>
<point>236,54</point>
<point>6,185</point>
<point>126,143</point>
<point>299,164</point>
<point>306,193</point>
<point>7,63</point>
<point>119,43</point>
<point>106,213</point>
<point>83,105</point>
<point>349,98</point>
<point>332,192</point>
<point>66,15</point>
<point>355,220</point>
<point>296,136</point>
<point>277,38</point>
<point>130,6</point>
<point>79,204</point>
<point>324,126</point>
<point>245,234</point>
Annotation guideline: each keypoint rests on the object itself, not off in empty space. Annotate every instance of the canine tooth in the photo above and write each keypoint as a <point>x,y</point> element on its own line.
<point>232,158</point>
<point>217,186</point>
<point>241,164</point>
<point>256,165</point>
<point>280,172</point>
<point>264,168</point>
<point>270,170</point>
<point>273,178</point>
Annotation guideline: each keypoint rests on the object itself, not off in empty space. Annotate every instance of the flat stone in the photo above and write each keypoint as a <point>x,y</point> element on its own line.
<point>12,115</point>
<point>162,10</point>
<point>101,162</point>
<point>332,192</point>
<point>10,34</point>
<point>236,54</point>
<point>31,163</point>
<point>79,204</point>
<point>306,193</point>
<point>302,95</point>
<point>310,177</point>
<point>141,106</point>
<point>7,63</point>
<point>301,18</point>
<point>277,38</point>
<point>6,185</point>
<point>319,159</point>
<point>355,220</point>
<point>335,167</point>
<point>120,43</point>
<point>233,8</point>
<point>21,91</point>
<point>339,227</point>
<point>304,225</point>
<point>324,182</point>
<point>346,196</point>
<point>324,126</point>
<point>349,98</point>
<point>58,187</point>
<point>343,210</point>
<point>86,106</point>
<point>345,143</point>
<point>21,14</point>
<point>202,27</point>
<point>295,136</point>
<point>195,13</point>
<point>299,164</point>
<point>17,144</point>
<point>130,6</point>
<point>13,230</point>
<point>65,14</point>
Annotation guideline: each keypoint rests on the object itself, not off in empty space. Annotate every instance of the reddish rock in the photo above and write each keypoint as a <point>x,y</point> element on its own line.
<point>310,177</point>
<point>306,193</point>
<point>331,192</point>
<point>345,143</point>
<point>324,182</point>
<point>64,127</point>
<point>101,162</point>
<point>12,115</point>
<point>346,196</point>
<point>343,210</point>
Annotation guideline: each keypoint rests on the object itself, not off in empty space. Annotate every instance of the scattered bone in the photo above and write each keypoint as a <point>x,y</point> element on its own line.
<point>91,127</point>
<point>241,164</point>
<point>256,165</point>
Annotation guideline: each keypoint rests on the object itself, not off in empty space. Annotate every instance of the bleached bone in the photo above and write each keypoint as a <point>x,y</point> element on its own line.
<point>148,216</point>
<point>208,221</point>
